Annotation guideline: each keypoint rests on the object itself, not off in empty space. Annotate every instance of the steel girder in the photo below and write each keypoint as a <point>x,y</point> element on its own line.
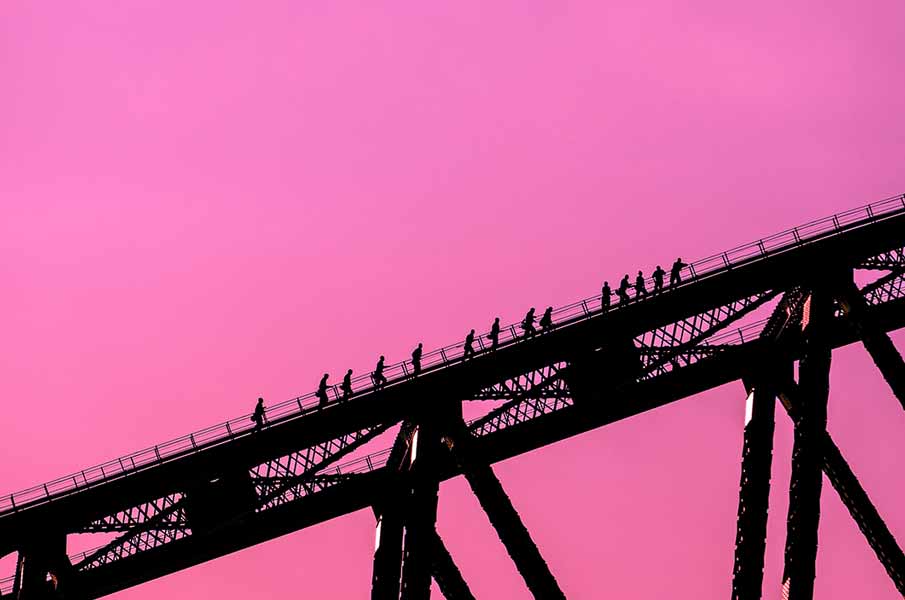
<point>275,482</point>
<point>894,259</point>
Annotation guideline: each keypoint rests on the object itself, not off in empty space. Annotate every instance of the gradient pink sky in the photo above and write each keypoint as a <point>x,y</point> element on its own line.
<point>201,203</point>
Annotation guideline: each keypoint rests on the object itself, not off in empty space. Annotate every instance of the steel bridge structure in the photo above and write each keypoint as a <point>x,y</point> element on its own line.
<point>747,314</point>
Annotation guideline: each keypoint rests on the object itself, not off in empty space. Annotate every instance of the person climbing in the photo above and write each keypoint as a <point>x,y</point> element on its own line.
<point>546,321</point>
<point>258,415</point>
<point>377,376</point>
<point>528,323</point>
<point>606,296</point>
<point>416,360</point>
<point>347,385</point>
<point>675,275</point>
<point>658,279</point>
<point>494,335</point>
<point>468,348</point>
<point>640,289</point>
<point>322,390</point>
<point>622,290</point>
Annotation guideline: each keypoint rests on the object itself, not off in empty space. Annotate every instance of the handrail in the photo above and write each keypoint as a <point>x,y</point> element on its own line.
<point>399,372</point>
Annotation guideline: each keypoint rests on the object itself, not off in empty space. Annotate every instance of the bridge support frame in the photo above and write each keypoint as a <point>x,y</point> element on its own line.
<point>421,509</point>
<point>45,555</point>
<point>810,426</point>
<point>754,485</point>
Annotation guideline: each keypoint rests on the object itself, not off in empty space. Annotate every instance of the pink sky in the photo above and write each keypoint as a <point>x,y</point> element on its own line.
<point>206,202</point>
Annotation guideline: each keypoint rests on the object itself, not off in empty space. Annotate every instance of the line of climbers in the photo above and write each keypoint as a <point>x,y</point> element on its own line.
<point>527,326</point>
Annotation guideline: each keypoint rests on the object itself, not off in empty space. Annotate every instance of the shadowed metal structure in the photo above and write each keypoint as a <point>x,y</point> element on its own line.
<point>746,314</point>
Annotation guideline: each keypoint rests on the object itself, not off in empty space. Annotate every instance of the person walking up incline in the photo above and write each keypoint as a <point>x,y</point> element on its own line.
<point>640,290</point>
<point>347,385</point>
<point>322,390</point>
<point>468,348</point>
<point>377,376</point>
<point>528,323</point>
<point>416,360</point>
<point>675,275</point>
<point>622,290</point>
<point>658,279</point>
<point>546,321</point>
<point>494,335</point>
<point>606,296</point>
<point>258,415</point>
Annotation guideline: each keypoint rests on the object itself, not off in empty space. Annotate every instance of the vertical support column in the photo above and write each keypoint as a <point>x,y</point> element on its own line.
<point>807,453</point>
<point>388,552</point>
<point>421,515</point>
<point>45,555</point>
<point>754,487</point>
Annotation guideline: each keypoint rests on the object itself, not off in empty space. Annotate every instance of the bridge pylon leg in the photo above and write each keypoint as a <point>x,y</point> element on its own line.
<point>754,486</point>
<point>387,552</point>
<point>421,513</point>
<point>807,453</point>
<point>44,556</point>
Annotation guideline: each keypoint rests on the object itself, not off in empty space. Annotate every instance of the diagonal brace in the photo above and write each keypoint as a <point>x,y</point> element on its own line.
<point>854,497</point>
<point>877,342</point>
<point>505,519</point>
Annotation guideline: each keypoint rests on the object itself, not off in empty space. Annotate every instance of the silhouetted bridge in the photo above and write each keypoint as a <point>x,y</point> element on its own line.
<point>746,314</point>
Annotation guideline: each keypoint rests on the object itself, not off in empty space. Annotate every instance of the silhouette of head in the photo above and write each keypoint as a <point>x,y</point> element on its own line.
<point>497,320</point>
<point>606,284</point>
<point>326,375</point>
<point>472,330</point>
<point>381,357</point>
<point>260,400</point>
<point>549,308</point>
<point>349,372</point>
<point>658,267</point>
<point>639,273</point>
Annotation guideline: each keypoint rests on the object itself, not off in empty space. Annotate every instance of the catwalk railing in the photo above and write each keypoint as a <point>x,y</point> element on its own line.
<point>400,372</point>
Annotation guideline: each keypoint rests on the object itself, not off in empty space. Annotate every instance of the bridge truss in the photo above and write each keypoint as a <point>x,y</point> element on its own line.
<point>747,314</point>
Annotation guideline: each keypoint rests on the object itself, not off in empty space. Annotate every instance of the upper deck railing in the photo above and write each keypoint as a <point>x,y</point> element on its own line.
<point>398,373</point>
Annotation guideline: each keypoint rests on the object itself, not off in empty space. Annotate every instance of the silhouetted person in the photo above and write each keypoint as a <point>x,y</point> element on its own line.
<point>347,385</point>
<point>675,275</point>
<point>258,415</point>
<point>468,348</point>
<point>606,296</point>
<point>622,290</point>
<point>494,335</point>
<point>640,289</point>
<point>546,321</point>
<point>377,376</point>
<point>528,323</point>
<point>658,279</point>
<point>416,360</point>
<point>322,390</point>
